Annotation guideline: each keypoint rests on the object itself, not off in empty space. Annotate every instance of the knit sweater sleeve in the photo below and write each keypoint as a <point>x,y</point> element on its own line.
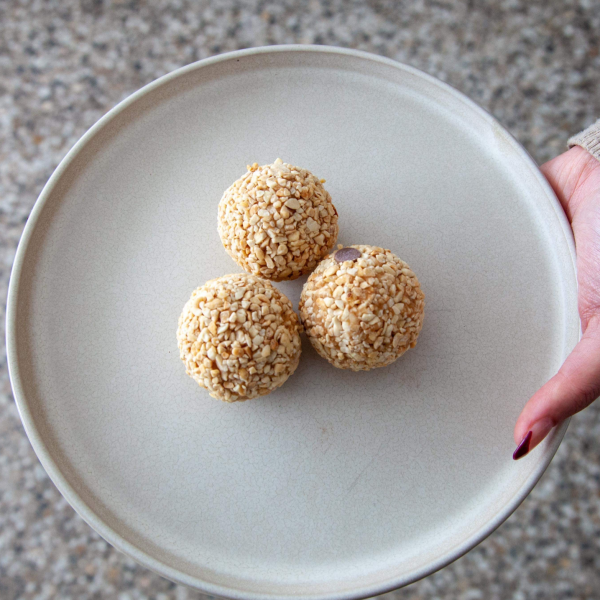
<point>589,139</point>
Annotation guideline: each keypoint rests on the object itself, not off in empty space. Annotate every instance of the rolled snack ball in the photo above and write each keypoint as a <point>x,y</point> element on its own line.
<point>277,221</point>
<point>238,337</point>
<point>362,308</point>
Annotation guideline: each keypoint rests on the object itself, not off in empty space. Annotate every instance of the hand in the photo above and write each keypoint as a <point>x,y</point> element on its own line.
<point>575,178</point>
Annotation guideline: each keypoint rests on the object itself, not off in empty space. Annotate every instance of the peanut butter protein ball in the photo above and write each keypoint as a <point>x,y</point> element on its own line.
<point>362,308</point>
<point>239,337</point>
<point>277,221</point>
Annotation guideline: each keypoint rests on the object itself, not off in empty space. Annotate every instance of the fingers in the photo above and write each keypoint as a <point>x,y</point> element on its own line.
<point>574,177</point>
<point>565,173</point>
<point>574,387</point>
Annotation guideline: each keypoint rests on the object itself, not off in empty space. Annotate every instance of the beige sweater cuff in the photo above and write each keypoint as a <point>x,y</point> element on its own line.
<point>589,139</point>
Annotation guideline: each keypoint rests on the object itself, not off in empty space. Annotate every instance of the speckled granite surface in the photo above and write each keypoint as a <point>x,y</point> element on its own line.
<point>534,64</point>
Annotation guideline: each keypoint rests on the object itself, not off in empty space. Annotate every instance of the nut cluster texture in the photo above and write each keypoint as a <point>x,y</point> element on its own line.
<point>238,337</point>
<point>277,221</point>
<point>363,309</point>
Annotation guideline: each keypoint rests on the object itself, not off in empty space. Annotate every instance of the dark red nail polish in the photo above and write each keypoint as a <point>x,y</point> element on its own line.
<point>523,447</point>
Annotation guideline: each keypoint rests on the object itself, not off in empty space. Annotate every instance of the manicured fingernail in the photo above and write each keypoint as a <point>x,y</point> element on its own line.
<point>539,430</point>
<point>523,447</point>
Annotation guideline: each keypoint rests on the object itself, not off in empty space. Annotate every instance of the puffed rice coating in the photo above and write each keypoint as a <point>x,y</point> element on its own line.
<point>238,337</point>
<point>277,221</point>
<point>362,310</point>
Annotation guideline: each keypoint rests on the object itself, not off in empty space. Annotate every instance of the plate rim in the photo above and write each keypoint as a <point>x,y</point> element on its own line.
<point>68,492</point>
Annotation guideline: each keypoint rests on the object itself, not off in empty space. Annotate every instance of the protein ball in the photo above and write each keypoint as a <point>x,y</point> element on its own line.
<point>239,337</point>
<point>277,221</point>
<point>362,308</point>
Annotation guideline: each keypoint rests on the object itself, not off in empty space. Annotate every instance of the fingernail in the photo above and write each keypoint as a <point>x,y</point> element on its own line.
<point>523,447</point>
<point>534,436</point>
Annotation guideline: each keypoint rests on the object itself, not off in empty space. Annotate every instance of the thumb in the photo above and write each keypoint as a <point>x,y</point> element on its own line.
<point>575,386</point>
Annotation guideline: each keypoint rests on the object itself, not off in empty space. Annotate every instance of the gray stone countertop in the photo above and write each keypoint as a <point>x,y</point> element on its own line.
<point>534,64</point>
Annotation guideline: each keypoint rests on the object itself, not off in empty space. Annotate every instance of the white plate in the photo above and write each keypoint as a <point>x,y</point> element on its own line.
<point>339,485</point>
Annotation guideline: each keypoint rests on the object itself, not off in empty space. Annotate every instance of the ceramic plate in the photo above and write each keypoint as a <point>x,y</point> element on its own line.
<point>340,484</point>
